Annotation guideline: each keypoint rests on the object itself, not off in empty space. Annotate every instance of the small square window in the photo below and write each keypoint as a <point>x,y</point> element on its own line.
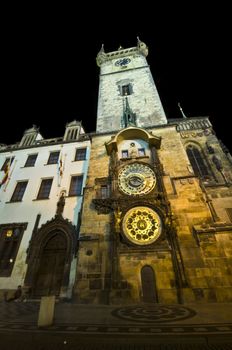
<point>19,191</point>
<point>53,157</point>
<point>80,154</point>
<point>126,90</point>
<point>31,160</point>
<point>45,189</point>
<point>125,154</point>
<point>141,152</point>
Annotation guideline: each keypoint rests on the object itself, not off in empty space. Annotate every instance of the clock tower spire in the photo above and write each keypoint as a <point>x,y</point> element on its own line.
<point>126,83</point>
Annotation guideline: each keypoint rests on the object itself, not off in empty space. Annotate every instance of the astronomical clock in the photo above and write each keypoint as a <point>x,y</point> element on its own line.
<point>136,179</point>
<point>137,200</point>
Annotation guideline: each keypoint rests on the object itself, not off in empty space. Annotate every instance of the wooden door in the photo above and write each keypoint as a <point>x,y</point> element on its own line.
<point>148,285</point>
<point>51,267</point>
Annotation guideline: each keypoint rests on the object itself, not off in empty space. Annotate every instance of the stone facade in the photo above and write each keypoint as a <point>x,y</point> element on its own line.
<point>192,261</point>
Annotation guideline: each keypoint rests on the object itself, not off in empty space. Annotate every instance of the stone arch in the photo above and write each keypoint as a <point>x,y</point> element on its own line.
<point>131,133</point>
<point>55,243</point>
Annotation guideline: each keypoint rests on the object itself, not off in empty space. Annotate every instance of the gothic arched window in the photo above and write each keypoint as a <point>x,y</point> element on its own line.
<point>197,161</point>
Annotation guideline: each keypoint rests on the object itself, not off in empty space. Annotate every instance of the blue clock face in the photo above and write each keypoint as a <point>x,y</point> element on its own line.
<point>122,62</point>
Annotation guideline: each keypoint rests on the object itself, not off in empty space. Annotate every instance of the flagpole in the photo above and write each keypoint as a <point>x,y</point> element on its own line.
<point>181,110</point>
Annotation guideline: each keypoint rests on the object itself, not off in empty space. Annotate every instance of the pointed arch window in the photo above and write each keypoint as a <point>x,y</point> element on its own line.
<point>197,161</point>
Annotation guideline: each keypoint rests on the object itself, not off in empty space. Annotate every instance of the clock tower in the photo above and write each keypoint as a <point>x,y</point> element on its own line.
<point>127,92</point>
<point>150,225</point>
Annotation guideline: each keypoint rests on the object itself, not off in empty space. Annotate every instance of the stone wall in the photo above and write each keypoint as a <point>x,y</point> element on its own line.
<point>203,231</point>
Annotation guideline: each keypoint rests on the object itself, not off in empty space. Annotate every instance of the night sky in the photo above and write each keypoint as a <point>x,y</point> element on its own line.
<point>50,77</point>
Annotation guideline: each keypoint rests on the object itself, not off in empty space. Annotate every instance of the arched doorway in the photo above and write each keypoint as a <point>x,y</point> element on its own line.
<point>51,266</point>
<point>149,291</point>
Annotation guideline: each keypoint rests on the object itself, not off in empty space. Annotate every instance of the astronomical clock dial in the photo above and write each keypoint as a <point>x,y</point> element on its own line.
<point>136,179</point>
<point>142,225</point>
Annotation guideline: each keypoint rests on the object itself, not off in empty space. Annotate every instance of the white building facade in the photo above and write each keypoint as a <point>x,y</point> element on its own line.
<point>41,192</point>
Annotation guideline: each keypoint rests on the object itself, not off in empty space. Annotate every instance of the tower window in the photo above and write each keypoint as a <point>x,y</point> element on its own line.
<point>125,153</point>
<point>76,186</point>
<point>31,160</point>
<point>80,154</point>
<point>10,238</point>
<point>141,152</point>
<point>45,189</point>
<point>19,191</point>
<point>126,90</point>
<point>197,161</point>
<point>53,157</point>
<point>104,191</point>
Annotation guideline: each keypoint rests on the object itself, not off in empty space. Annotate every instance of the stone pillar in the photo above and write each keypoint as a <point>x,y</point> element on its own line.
<point>46,311</point>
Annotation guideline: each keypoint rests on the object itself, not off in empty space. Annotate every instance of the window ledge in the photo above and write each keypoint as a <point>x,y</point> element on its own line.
<point>74,195</point>
<point>13,202</point>
<point>78,160</point>
<point>28,166</point>
<point>39,199</point>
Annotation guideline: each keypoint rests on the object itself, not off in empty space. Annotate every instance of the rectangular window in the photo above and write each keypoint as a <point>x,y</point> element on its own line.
<point>19,191</point>
<point>125,154</point>
<point>7,160</point>
<point>80,154</point>
<point>45,189</point>
<point>104,191</point>
<point>126,90</point>
<point>31,160</point>
<point>10,238</point>
<point>141,152</point>
<point>229,213</point>
<point>76,186</point>
<point>53,157</point>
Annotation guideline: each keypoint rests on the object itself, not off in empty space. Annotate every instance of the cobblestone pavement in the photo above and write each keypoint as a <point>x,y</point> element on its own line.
<point>133,327</point>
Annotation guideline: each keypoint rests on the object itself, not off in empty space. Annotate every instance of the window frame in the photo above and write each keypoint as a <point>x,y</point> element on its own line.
<point>198,164</point>
<point>29,163</point>
<point>143,150</point>
<point>84,154</point>
<point>8,248</point>
<point>126,151</point>
<point>104,191</point>
<point>71,192</point>
<point>126,89</point>
<point>15,196</point>
<point>50,157</point>
<point>42,190</point>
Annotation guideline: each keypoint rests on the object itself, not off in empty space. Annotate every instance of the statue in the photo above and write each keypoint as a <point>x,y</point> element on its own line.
<point>133,151</point>
<point>117,219</point>
<point>60,204</point>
